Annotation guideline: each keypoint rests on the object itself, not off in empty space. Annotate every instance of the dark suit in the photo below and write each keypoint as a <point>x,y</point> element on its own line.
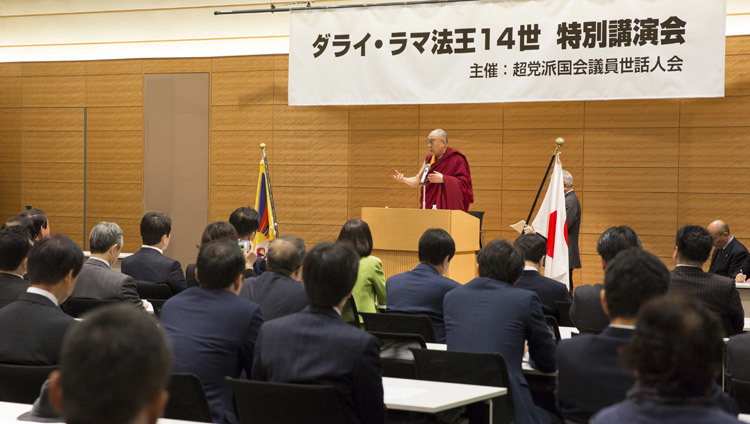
<point>647,412</point>
<point>149,265</point>
<point>11,287</point>
<point>737,351</point>
<point>547,290</point>
<point>32,330</point>
<point>573,216</point>
<point>717,293</point>
<point>277,294</point>
<point>420,291</point>
<point>728,261</point>
<point>191,281</point>
<point>586,311</point>
<point>213,334</point>
<point>98,281</point>
<point>316,346</point>
<point>490,316</point>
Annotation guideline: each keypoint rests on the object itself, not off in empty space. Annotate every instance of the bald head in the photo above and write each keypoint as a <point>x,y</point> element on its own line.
<point>437,141</point>
<point>285,255</point>
<point>720,232</point>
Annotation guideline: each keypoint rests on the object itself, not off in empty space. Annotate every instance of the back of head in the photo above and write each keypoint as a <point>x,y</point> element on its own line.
<point>500,261</point>
<point>219,263</point>
<point>329,271</point>
<point>245,221</point>
<point>103,236</point>
<point>616,239</point>
<point>567,179</point>
<point>51,258</point>
<point>677,345</point>
<point>632,278</point>
<point>435,245</point>
<point>22,221</point>
<point>15,244</point>
<point>533,247</point>
<point>357,233</point>
<point>694,243</point>
<point>285,255</point>
<point>112,364</point>
<point>154,225</point>
<point>38,217</point>
<point>219,230</point>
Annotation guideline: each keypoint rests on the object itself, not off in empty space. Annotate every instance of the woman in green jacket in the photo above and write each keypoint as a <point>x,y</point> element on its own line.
<point>369,289</point>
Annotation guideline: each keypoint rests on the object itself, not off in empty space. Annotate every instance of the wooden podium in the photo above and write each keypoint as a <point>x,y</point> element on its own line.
<point>396,233</point>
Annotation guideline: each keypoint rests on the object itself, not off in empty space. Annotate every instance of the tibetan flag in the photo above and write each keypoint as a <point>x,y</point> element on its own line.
<point>551,222</point>
<point>266,231</point>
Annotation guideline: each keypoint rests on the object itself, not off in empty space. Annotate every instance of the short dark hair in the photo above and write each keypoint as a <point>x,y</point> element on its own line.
<point>52,258</point>
<point>357,233</point>
<point>434,245</point>
<point>285,255</point>
<point>245,220</point>
<point>15,244</point>
<point>218,230</point>
<point>533,247</point>
<point>38,216</point>
<point>219,263</point>
<point>694,243</point>
<point>677,345</point>
<point>329,271</point>
<point>500,261</point>
<point>112,364</point>
<point>633,277</point>
<point>22,221</point>
<point>616,239</point>
<point>154,225</point>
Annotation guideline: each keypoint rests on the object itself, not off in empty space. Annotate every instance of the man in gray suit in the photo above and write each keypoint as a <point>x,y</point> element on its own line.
<point>97,280</point>
<point>573,215</point>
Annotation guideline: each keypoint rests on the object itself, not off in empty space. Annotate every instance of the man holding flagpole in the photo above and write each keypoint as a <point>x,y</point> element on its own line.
<point>573,214</point>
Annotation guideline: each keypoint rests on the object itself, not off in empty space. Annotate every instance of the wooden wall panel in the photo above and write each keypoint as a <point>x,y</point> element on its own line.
<point>481,147</point>
<point>10,146</point>
<point>240,147</point>
<point>242,118</point>
<point>11,119</point>
<point>395,117</point>
<point>10,172</point>
<point>632,113</point>
<point>641,147</point>
<point>57,199</point>
<point>301,205</point>
<point>11,69</point>
<point>53,119</point>
<point>115,118</point>
<point>310,118</point>
<point>308,176</point>
<point>484,116</point>
<point>737,76</point>
<point>359,198</point>
<point>54,91</point>
<point>53,146</point>
<point>114,90</point>
<point>245,63</point>
<point>10,199</point>
<point>114,200</point>
<point>40,172</point>
<point>701,209</point>
<point>38,69</point>
<point>488,201</point>
<point>114,173</point>
<point>242,88</point>
<point>377,176</point>
<point>11,91</point>
<point>646,213</point>
<point>310,147</point>
<point>712,180</point>
<point>173,66</point>
<point>649,180</point>
<point>699,145</point>
<point>280,87</point>
<point>114,147</point>
<point>535,115</point>
<point>225,199</point>
<point>721,112</point>
<point>534,147</point>
<point>392,148</point>
<point>312,234</point>
<point>487,177</point>
<point>114,67</point>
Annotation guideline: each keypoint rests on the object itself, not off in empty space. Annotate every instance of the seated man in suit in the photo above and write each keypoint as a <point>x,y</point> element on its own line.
<point>422,289</point>
<point>279,290</point>
<point>24,222</point>
<point>34,325</point>
<point>97,280</point>
<point>588,375</point>
<point>716,292</point>
<point>15,244</point>
<point>213,330</point>
<point>114,369</point>
<point>729,254</point>
<point>534,249</point>
<point>586,311</point>
<point>41,223</point>
<point>490,315</point>
<point>316,346</point>
<point>246,222</point>
<point>149,263</point>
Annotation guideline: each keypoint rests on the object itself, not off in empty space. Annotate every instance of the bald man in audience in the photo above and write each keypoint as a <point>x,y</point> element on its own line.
<point>729,254</point>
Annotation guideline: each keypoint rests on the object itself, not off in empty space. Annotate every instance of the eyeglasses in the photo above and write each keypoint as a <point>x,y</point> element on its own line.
<point>430,142</point>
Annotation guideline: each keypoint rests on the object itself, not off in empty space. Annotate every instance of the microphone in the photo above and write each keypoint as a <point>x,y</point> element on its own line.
<point>424,175</point>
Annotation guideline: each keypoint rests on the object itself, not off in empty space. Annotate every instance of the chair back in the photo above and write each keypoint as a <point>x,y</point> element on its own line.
<point>480,216</point>
<point>148,290</point>
<point>564,309</point>
<point>78,307</point>
<point>740,391</point>
<point>22,383</point>
<point>261,402</point>
<point>187,400</point>
<point>484,369</point>
<point>395,355</point>
<point>399,323</point>
<point>157,304</point>
<point>553,328</point>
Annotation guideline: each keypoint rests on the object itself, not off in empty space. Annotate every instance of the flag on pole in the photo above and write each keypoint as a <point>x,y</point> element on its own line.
<point>266,231</point>
<point>551,222</point>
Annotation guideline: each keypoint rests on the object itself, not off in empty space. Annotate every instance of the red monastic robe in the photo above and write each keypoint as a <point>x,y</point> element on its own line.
<point>455,192</point>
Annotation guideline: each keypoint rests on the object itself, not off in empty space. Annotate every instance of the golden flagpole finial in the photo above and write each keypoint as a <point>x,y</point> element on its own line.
<point>263,146</point>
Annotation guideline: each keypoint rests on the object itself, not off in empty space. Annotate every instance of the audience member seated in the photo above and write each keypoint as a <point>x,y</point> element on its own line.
<point>676,353</point>
<point>97,280</point>
<point>534,249</point>
<point>279,290</point>
<point>589,376</point>
<point>490,315</point>
<point>316,347</point>
<point>422,289</point>
<point>716,292</point>
<point>22,221</point>
<point>370,286</point>
<point>586,311</point>
<point>40,221</point>
<point>729,254</point>
<point>149,263</point>
<point>33,326</point>
<point>213,330</point>
<point>114,369</point>
<point>15,244</point>
<point>246,222</point>
<point>218,230</point>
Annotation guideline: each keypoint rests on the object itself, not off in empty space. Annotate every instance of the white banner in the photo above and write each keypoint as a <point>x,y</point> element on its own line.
<point>508,51</point>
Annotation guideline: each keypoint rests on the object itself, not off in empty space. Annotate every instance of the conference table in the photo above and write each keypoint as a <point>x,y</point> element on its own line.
<point>9,413</point>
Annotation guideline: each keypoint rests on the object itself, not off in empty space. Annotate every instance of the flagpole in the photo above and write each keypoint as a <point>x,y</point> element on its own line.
<point>558,144</point>
<point>270,192</point>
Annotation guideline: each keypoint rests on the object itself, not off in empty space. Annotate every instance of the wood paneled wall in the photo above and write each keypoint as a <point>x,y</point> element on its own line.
<point>652,164</point>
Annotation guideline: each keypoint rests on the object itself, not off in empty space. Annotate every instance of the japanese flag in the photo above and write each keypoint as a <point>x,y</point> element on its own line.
<point>551,222</point>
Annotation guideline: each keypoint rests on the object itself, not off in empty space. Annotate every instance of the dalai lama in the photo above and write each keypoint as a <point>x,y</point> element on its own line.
<point>448,183</point>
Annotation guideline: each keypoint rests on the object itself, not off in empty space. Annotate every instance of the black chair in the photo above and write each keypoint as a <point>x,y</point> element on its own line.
<point>187,400</point>
<point>77,307</point>
<point>260,402</point>
<point>22,383</point>
<point>564,308</point>
<point>484,369</point>
<point>395,355</point>
<point>740,391</point>
<point>148,290</point>
<point>480,216</point>
<point>399,323</point>
<point>157,304</point>
<point>553,327</point>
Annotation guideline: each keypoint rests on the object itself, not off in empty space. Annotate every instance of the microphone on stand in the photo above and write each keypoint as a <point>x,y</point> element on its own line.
<point>424,175</point>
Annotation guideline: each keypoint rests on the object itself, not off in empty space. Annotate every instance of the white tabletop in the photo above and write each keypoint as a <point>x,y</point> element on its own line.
<point>10,411</point>
<point>745,418</point>
<point>433,396</point>
<point>747,325</point>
